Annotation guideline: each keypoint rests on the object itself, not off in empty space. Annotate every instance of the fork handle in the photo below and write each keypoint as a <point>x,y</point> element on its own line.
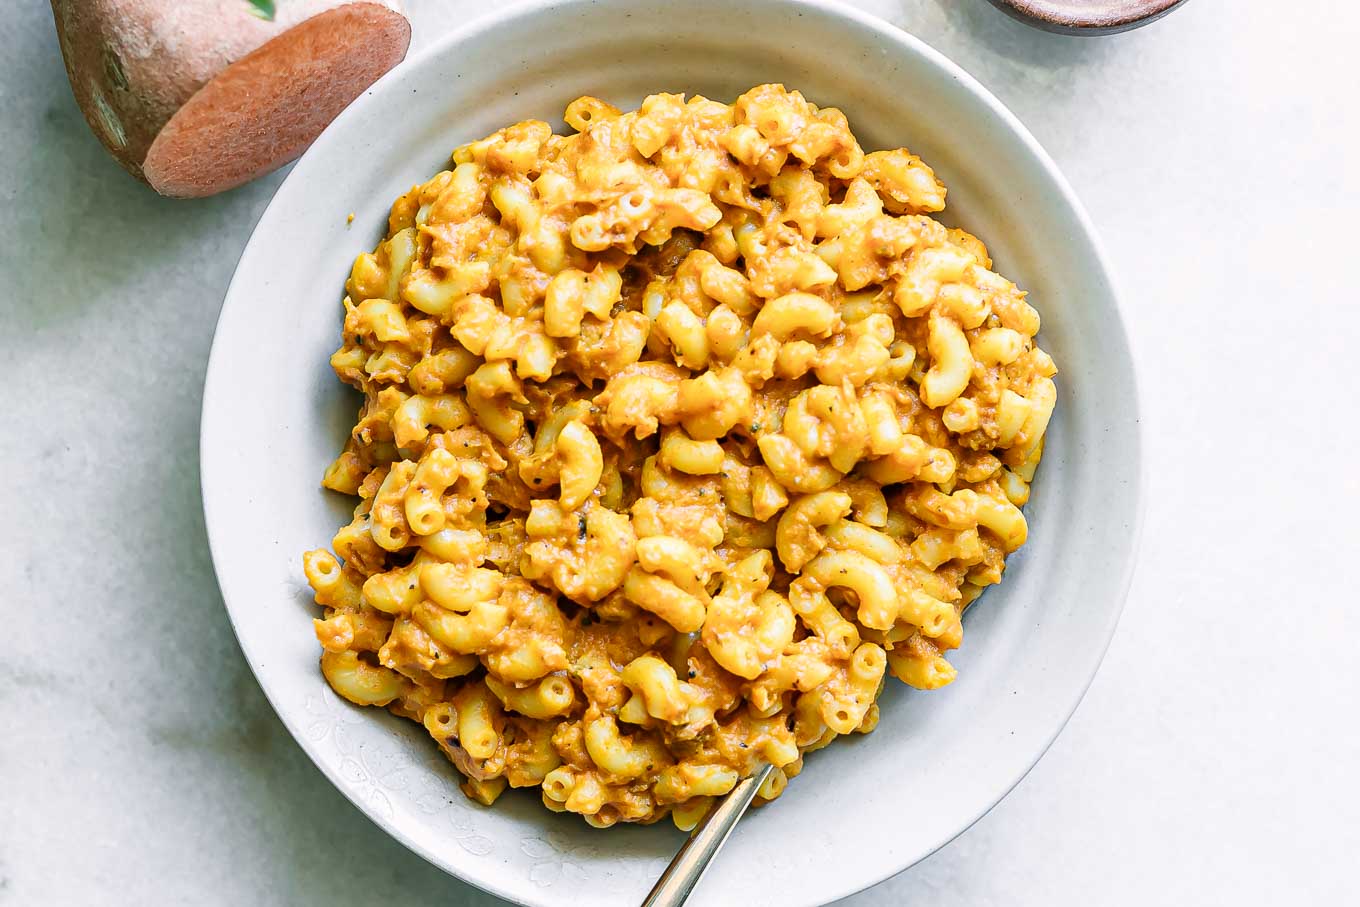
<point>690,863</point>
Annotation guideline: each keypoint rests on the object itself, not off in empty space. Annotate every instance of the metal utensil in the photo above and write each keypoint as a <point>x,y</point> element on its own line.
<point>690,863</point>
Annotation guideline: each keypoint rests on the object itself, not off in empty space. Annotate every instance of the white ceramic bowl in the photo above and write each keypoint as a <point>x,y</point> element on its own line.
<point>274,415</point>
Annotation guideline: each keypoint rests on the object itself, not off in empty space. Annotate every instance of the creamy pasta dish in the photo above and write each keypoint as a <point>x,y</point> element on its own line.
<point>679,434</point>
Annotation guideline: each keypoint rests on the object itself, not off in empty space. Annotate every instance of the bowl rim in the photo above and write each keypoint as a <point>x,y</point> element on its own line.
<point>901,41</point>
<point>1056,18</point>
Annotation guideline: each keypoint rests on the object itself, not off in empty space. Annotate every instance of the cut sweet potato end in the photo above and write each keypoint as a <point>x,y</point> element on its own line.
<point>266,108</point>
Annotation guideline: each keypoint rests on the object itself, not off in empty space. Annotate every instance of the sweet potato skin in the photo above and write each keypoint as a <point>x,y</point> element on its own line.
<point>135,64</point>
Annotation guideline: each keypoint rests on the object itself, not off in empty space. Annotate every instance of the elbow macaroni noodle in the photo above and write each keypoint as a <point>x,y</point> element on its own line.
<point>679,433</point>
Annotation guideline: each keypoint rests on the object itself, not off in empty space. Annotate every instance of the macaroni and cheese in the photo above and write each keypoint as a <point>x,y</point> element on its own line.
<point>679,433</point>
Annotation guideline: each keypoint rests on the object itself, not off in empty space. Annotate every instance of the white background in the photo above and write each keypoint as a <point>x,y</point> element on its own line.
<point>1214,759</point>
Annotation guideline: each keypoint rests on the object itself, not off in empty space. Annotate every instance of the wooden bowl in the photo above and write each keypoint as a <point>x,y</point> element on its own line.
<point>1087,17</point>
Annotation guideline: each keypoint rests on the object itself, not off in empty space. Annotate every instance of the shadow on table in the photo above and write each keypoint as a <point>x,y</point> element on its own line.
<point>1025,67</point>
<point>1024,45</point>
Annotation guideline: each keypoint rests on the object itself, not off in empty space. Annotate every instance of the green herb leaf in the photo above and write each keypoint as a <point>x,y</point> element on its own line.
<point>263,9</point>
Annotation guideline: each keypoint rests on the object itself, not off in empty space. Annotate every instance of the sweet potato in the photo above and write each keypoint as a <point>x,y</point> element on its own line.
<point>197,96</point>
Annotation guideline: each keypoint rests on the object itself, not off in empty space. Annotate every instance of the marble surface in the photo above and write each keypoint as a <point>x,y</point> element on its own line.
<point>1211,762</point>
